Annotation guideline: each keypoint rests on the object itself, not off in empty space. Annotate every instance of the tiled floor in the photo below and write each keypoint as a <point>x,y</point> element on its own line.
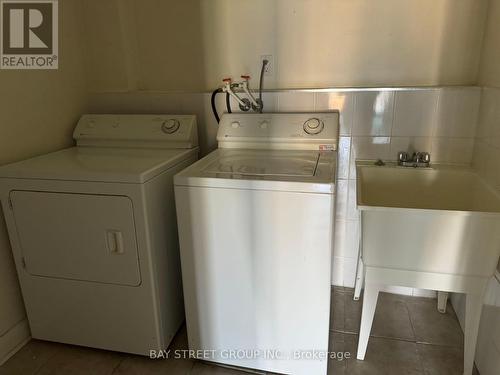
<point>409,336</point>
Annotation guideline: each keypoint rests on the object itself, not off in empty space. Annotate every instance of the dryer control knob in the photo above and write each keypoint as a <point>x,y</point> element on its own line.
<point>170,126</point>
<point>235,124</point>
<point>264,125</point>
<point>313,126</point>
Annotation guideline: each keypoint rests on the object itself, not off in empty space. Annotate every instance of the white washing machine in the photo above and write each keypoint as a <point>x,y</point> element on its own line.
<point>256,220</point>
<point>94,235</point>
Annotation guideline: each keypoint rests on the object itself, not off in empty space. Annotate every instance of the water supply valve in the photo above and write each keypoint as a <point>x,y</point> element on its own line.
<point>256,103</point>
<point>244,103</point>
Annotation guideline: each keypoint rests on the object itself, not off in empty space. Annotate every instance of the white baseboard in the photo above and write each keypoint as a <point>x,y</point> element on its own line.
<point>13,340</point>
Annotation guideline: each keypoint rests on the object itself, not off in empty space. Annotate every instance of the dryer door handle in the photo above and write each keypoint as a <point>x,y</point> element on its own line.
<point>115,241</point>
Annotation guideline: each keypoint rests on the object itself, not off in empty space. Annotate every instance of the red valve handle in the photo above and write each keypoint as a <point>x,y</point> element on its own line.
<point>227,80</point>
<point>246,77</point>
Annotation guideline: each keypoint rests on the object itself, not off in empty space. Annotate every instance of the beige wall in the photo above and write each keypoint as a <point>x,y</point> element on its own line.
<point>190,45</point>
<point>38,110</point>
<point>489,73</point>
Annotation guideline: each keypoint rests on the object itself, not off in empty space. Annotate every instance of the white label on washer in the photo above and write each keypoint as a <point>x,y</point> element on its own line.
<point>326,148</point>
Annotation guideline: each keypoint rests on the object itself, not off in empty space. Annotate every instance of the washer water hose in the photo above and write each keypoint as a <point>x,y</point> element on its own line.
<point>228,103</point>
<point>261,83</point>
<point>214,107</point>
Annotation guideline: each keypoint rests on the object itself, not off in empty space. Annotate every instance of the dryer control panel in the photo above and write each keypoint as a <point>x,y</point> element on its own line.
<point>293,131</point>
<point>162,131</point>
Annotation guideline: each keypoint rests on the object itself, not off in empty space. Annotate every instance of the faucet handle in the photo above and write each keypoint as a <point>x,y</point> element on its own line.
<point>403,156</point>
<point>425,157</point>
<point>422,157</point>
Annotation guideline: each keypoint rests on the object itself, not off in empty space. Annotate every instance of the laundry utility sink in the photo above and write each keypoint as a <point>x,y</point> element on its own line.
<point>441,219</point>
<point>432,228</point>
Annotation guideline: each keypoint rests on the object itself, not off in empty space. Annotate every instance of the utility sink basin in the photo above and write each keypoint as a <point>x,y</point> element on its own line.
<point>442,219</point>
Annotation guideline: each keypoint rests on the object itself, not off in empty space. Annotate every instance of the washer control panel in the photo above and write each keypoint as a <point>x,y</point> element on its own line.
<point>128,130</point>
<point>318,130</point>
<point>313,125</point>
<point>170,126</point>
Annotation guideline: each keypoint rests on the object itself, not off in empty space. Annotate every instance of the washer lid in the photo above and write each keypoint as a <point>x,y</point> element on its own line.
<point>127,165</point>
<point>269,163</point>
<point>283,170</point>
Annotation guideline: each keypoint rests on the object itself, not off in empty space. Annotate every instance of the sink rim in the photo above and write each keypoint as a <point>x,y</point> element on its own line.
<point>370,163</point>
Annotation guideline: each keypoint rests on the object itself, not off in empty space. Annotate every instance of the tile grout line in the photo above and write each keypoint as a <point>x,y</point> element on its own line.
<point>421,360</point>
<point>411,321</point>
<point>389,338</point>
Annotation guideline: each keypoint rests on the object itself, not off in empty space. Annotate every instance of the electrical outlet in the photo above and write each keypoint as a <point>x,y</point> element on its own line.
<point>269,69</point>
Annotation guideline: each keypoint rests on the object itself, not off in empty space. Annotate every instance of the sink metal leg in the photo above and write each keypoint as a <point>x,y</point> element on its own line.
<point>473,308</point>
<point>442,301</point>
<point>360,277</point>
<point>369,306</point>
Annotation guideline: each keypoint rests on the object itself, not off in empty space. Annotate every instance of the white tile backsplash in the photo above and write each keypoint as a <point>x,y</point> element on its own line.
<point>350,267</point>
<point>344,102</point>
<point>343,157</point>
<point>373,124</point>
<point>352,239</point>
<point>373,113</point>
<point>489,117</point>
<point>346,239</point>
<point>457,112</point>
<point>452,150</point>
<point>489,112</point>
<point>338,270</point>
<point>352,211</point>
<point>368,148</point>
<point>415,113</point>
<point>290,101</point>
<point>341,200</point>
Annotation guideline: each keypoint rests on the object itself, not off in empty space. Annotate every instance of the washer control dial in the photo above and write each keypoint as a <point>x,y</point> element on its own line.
<point>235,124</point>
<point>313,126</point>
<point>170,126</point>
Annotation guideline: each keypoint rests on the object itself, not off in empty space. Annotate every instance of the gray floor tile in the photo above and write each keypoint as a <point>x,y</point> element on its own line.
<point>337,365</point>
<point>137,365</point>
<point>432,327</point>
<point>30,358</point>
<point>352,313</point>
<point>441,360</point>
<point>345,312</point>
<point>392,319</point>
<point>385,357</point>
<point>77,360</point>
<point>337,311</point>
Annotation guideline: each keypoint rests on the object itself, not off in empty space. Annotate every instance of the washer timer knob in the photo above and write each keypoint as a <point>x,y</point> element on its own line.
<point>313,126</point>
<point>235,124</point>
<point>170,126</point>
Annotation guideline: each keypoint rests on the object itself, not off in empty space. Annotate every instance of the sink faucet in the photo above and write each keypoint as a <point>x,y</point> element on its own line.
<point>418,159</point>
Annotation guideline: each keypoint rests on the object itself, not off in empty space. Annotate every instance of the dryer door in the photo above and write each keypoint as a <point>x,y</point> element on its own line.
<point>77,236</point>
